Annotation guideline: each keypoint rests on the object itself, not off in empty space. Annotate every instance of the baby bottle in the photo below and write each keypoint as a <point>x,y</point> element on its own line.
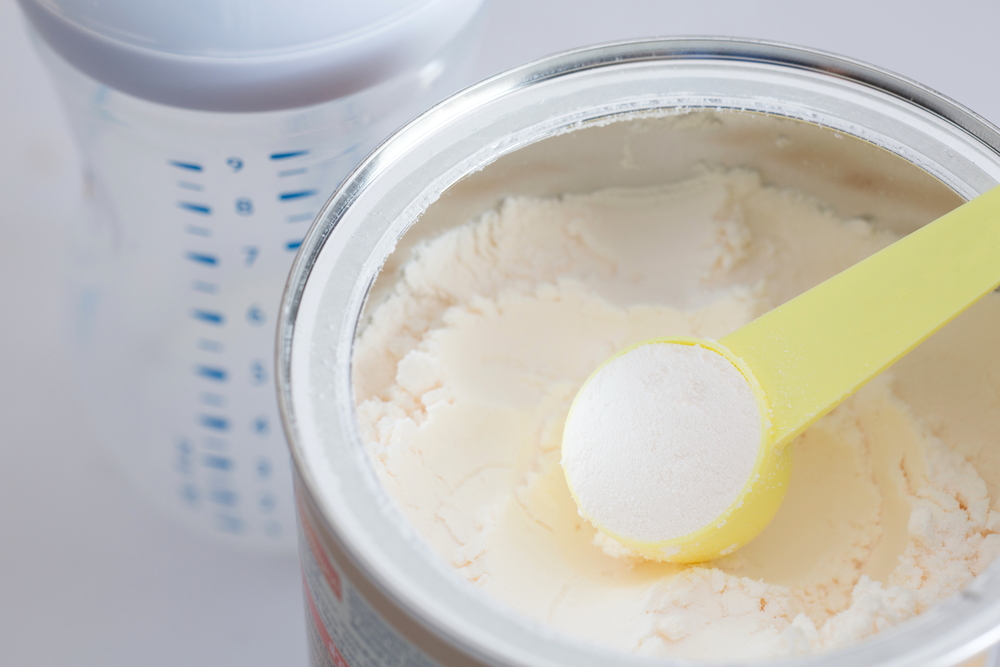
<point>212,133</point>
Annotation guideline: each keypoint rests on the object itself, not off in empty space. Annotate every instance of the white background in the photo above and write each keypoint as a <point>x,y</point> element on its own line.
<point>89,575</point>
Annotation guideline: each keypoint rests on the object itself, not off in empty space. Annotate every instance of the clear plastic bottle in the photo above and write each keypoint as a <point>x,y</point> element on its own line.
<point>176,273</point>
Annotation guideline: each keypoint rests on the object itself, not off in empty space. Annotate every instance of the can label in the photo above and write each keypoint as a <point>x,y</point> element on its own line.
<point>344,629</point>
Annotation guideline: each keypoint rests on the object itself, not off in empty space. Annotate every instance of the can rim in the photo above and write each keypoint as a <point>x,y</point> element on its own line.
<point>976,636</point>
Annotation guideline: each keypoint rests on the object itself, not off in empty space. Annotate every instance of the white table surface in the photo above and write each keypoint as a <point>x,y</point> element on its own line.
<point>89,574</point>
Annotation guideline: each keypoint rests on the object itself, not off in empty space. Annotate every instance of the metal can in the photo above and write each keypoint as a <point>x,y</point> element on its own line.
<point>375,592</point>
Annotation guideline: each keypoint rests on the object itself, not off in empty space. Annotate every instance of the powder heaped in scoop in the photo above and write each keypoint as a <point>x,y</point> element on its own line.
<point>661,441</point>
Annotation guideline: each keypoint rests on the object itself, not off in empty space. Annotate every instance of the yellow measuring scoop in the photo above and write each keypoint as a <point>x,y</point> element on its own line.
<point>805,357</point>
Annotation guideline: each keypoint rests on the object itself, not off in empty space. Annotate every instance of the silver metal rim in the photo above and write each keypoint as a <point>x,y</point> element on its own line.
<point>970,620</point>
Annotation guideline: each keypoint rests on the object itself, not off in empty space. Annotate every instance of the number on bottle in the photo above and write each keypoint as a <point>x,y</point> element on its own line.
<point>244,206</point>
<point>258,372</point>
<point>235,164</point>
<point>260,425</point>
<point>256,316</point>
<point>267,501</point>
<point>251,252</point>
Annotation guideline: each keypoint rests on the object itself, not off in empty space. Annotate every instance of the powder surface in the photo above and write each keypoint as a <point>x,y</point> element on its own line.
<point>465,373</point>
<point>660,441</point>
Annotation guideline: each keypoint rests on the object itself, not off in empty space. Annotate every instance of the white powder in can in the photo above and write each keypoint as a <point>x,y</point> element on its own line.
<point>661,441</point>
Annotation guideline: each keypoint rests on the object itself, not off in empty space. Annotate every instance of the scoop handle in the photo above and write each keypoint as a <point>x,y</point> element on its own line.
<point>814,351</point>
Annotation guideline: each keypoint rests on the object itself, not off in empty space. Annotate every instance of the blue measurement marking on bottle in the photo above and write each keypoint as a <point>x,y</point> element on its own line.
<point>211,398</point>
<point>210,345</point>
<point>212,373</point>
<point>189,166</point>
<point>293,172</point>
<point>264,468</point>
<point>188,185</point>
<point>301,217</point>
<point>225,497</point>
<point>298,194</point>
<point>214,422</point>
<point>204,209</point>
<point>202,286</point>
<point>293,245</point>
<point>202,258</point>
<point>209,316</point>
<point>347,151</point>
<point>198,231</point>
<point>229,524</point>
<point>288,154</point>
<point>218,462</point>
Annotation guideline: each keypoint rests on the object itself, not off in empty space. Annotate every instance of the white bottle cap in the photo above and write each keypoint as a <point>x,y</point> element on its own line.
<point>251,55</point>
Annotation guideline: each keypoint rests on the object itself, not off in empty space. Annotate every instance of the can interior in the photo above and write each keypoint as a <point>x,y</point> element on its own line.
<point>857,178</point>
